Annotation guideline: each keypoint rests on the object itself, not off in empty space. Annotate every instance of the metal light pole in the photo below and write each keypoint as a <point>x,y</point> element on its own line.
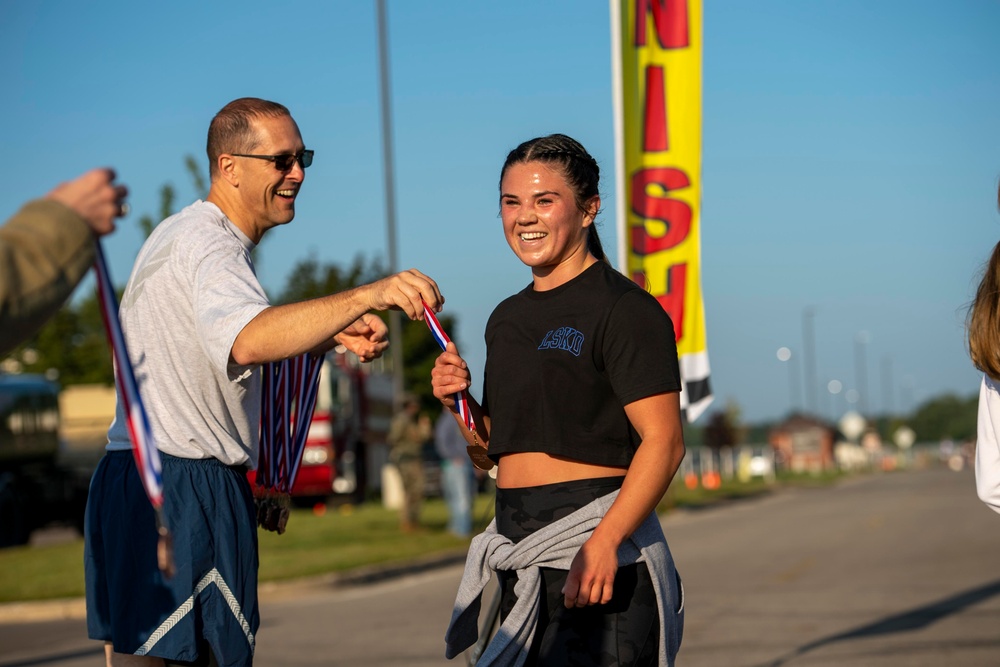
<point>834,387</point>
<point>809,346</point>
<point>861,369</point>
<point>887,402</point>
<point>395,320</point>
<point>786,356</point>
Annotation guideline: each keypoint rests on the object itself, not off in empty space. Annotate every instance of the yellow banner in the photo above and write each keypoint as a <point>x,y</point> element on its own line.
<point>657,48</point>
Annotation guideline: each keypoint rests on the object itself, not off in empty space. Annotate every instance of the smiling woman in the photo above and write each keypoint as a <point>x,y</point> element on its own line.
<point>549,199</point>
<point>543,224</point>
<point>580,412</point>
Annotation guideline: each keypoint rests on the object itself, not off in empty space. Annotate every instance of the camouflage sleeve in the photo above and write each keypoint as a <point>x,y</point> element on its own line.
<point>45,250</point>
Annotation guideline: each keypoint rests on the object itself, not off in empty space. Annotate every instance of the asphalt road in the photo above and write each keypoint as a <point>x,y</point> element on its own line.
<point>884,570</point>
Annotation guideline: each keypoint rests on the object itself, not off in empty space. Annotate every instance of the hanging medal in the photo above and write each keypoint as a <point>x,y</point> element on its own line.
<point>476,451</point>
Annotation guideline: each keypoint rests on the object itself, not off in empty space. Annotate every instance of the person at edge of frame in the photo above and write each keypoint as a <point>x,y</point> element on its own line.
<point>983,336</point>
<point>48,246</point>
<point>199,326</point>
<point>581,414</point>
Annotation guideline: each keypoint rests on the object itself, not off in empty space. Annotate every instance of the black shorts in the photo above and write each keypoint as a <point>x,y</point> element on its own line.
<point>623,632</point>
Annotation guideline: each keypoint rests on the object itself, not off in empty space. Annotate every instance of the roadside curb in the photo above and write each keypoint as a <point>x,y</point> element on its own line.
<point>76,608</point>
<point>43,610</point>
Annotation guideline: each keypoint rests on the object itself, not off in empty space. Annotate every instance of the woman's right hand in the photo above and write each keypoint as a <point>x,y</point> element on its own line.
<point>449,376</point>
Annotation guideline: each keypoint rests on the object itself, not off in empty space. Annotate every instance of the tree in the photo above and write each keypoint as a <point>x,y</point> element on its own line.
<point>167,196</point>
<point>309,280</point>
<point>147,223</point>
<point>72,343</point>
<point>946,417</point>
<point>197,178</point>
<point>719,431</point>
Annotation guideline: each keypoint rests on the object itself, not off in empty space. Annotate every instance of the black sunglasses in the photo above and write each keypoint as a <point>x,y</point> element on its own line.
<point>284,161</point>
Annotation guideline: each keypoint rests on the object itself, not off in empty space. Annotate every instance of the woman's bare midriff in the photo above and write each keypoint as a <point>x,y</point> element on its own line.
<point>535,469</point>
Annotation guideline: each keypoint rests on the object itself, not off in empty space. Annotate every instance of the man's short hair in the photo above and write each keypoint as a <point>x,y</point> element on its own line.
<point>231,131</point>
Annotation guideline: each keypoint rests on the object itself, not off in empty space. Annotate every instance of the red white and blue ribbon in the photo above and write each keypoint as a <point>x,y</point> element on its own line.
<point>287,403</point>
<point>147,457</point>
<point>439,335</point>
<point>144,451</point>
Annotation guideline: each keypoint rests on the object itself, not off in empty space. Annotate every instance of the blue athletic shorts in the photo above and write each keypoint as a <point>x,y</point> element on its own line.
<point>211,601</point>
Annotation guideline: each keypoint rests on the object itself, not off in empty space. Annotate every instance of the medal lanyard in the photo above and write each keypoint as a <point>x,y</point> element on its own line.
<point>144,451</point>
<point>476,451</point>
<point>461,398</point>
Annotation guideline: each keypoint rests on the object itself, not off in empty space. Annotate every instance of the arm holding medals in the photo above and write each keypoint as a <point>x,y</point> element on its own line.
<point>581,413</point>
<point>47,247</point>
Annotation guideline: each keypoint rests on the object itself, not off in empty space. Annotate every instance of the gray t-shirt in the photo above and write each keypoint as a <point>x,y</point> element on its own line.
<point>192,290</point>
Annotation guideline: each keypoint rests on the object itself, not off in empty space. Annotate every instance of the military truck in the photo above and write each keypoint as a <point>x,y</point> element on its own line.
<point>40,482</point>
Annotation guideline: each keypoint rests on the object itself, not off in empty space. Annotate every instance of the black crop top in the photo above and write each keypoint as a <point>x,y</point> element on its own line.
<point>562,364</point>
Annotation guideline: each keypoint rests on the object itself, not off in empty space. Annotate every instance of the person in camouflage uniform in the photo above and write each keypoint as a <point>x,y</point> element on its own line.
<point>407,434</point>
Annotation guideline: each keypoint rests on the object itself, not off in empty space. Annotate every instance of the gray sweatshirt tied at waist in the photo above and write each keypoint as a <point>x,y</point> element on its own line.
<point>555,546</point>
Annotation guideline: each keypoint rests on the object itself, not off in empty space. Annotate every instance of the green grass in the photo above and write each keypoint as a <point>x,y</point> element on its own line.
<point>341,539</point>
<point>347,537</point>
<point>679,496</point>
<point>36,573</point>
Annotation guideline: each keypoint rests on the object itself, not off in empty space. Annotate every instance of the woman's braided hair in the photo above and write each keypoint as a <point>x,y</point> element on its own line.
<point>578,168</point>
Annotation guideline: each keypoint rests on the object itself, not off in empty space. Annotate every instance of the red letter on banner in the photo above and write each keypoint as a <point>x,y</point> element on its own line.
<point>670,18</point>
<point>672,301</point>
<point>655,116</point>
<point>675,213</point>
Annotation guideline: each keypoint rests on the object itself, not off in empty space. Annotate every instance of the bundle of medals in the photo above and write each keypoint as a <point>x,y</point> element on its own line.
<point>288,398</point>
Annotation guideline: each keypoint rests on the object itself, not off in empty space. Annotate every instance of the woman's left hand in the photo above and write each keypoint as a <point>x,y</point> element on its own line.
<point>591,576</point>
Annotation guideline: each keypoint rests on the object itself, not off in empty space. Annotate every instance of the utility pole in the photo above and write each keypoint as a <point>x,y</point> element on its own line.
<point>809,347</point>
<point>395,319</point>
<point>887,399</point>
<point>861,370</point>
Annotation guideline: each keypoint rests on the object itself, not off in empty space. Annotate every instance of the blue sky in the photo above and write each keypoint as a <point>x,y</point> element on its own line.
<point>850,165</point>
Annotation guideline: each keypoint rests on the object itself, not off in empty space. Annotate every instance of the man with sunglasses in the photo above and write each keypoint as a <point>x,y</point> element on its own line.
<point>198,326</point>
